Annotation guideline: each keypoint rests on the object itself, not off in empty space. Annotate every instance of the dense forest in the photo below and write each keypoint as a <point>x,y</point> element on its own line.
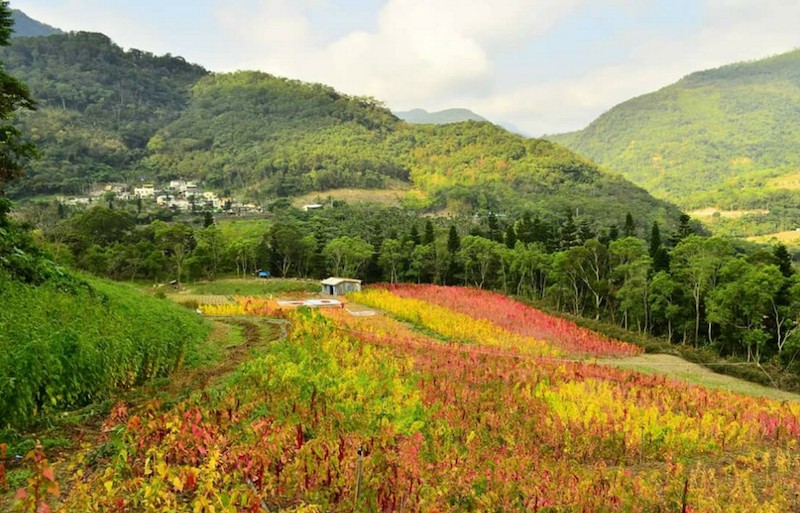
<point>111,115</point>
<point>727,137</point>
<point>98,107</point>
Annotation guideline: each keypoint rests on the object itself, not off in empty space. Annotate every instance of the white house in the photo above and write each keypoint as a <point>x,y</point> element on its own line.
<point>147,190</point>
<point>340,286</point>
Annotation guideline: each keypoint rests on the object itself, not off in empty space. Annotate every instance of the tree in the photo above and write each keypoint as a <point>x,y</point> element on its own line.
<point>511,236</point>
<point>613,233</point>
<point>99,225</point>
<point>208,219</point>
<point>585,231</point>
<point>631,265</point>
<point>424,263</point>
<point>453,247</point>
<point>177,241</point>
<point>413,235</point>
<point>532,263</point>
<point>592,265</point>
<point>347,255</point>
<point>744,300</point>
<point>569,233</point>
<point>493,226</point>
<point>784,260</point>
<point>15,152</point>
<point>453,240</point>
<point>526,229</point>
<point>663,299</point>
<point>684,228</point>
<point>629,230</point>
<point>284,242</point>
<point>696,262</point>
<point>392,253</point>
<point>567,273</point>
<point>478,255</point>
<point>658,253</point>
<point>429,237</point>
<point>209,251</point>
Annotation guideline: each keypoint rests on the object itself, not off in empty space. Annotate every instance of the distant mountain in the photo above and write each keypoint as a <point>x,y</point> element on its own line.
<point>25,26</point>
<point>728,137</point>
<point>442,117</point>
<point>112,115</point>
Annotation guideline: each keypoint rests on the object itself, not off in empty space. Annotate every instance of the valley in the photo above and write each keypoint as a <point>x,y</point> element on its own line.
<point>229,291</point>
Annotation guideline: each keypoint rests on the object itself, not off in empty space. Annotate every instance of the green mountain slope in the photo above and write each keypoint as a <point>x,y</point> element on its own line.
<point>98,106</point>
<point>727,137</point>
<point>25,26</point>
<point>113,115</point>
<point>442,117</point>
<point>274,136</point>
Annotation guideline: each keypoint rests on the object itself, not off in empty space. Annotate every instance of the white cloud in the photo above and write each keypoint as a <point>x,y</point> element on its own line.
<point>420,50</point>
<point>127,28</point>
<point>445,53</point>
<point>732,31</point>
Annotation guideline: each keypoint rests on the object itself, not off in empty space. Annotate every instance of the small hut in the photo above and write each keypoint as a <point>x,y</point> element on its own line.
<point>340,286</point>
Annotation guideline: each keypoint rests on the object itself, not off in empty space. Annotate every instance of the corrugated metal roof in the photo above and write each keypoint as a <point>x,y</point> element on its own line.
<point>337,281</point>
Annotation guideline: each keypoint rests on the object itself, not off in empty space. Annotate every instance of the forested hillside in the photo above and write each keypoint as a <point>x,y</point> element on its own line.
<point>727,137</point>
<point>112,115</point>
<point>98,106</point>
<point>278,137</point>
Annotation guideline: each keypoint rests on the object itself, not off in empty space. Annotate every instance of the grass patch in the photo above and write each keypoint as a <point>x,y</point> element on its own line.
<point>696,374</point>
<point>212,349</point>
<point>768,374</point>
<point>251,287</point>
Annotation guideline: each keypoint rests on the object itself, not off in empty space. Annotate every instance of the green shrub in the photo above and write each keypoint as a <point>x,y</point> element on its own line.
<point>65,349</point>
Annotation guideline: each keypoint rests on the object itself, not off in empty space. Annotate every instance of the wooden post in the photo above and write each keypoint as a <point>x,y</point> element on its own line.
<point>358,475</point>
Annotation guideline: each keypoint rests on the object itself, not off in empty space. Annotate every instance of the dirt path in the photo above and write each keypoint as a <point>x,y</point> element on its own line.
<point>679,368</point>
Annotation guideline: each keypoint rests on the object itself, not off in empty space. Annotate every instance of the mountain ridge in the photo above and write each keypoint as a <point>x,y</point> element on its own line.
<point>25,26</point>
<point>132,115</point>
<point>441,117</point>
<point>727,137</point>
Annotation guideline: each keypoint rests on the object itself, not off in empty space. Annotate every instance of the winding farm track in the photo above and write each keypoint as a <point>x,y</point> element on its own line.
<point>678,368</point>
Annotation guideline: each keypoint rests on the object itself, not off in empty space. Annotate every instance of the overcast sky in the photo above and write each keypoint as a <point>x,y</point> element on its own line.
<point>545,66</point>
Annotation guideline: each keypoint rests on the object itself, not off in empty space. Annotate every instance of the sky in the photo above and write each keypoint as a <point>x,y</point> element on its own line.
<point>542,66</point>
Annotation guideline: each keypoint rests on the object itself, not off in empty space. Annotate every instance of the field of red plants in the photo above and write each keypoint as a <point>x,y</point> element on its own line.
<point>517,318</point>
<point>372,414</point>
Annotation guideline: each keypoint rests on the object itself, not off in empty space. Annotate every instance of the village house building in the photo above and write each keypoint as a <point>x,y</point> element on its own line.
<point>340,286</point>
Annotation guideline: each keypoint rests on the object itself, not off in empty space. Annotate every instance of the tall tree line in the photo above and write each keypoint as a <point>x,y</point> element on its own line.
<point>684,286</point>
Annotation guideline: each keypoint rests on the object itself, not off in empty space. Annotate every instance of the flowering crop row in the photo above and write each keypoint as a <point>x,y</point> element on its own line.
<point>517,318</point>
<point>529,433</point>
<point>243,306</point>
<point>284,435</point>
<point>450,324</point>
<point>479,424</point>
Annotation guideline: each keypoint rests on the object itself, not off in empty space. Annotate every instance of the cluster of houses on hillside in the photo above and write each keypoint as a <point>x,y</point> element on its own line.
<point>182,195</point>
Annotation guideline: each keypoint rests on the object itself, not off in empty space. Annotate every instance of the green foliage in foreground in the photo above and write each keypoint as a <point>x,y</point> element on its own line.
<point>61,350</point>
<point>719,137</point>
